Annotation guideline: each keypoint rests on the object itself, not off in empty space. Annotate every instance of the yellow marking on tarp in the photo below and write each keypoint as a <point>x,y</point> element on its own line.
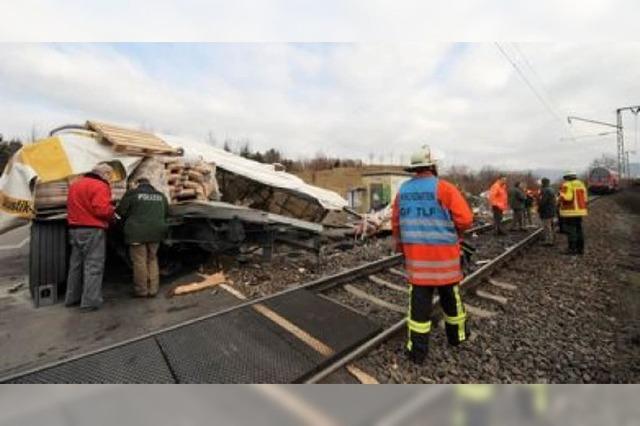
<point>48,159</point>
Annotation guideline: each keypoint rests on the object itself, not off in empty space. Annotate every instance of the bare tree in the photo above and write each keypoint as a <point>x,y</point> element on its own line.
<point>607,161</point>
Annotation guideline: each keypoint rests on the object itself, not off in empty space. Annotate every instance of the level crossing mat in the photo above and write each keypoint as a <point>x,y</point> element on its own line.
<point>263,343</point>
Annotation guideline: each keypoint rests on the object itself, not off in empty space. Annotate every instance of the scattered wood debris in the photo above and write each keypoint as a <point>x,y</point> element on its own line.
<point>210,281</point>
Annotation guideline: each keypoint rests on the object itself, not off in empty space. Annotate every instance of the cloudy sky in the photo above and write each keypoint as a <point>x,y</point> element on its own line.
<point>353,99</point>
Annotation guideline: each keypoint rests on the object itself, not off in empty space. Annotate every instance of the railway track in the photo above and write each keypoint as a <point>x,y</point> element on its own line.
<point>388,299</point>
<point>385,294</point>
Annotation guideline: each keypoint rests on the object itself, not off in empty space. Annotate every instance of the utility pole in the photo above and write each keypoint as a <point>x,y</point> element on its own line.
<point>617,126</point>
<point>623,156</point>
<point>621,152</point>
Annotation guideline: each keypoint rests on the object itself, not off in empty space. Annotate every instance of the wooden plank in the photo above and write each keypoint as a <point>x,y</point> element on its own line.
<point>493,297</point>
<point>389,285</point>
<point>301,334</point>
<point>136,139</point>
<point>210,281</point>
<point>502,285</point>
<point>374,300</point>
<point>479,312</point>
<point>362,377</point>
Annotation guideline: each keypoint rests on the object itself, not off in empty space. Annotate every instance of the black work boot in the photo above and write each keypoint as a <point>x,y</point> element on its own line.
<point>452,333</point>
<point>419,350</point>
<point>417,356</point>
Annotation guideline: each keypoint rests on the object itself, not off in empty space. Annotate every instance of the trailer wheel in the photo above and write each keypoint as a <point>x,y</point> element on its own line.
<point>47,257</point>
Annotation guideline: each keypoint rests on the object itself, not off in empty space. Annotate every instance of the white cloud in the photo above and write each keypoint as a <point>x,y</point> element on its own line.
<point>346,99</point>
<point>307,20</point>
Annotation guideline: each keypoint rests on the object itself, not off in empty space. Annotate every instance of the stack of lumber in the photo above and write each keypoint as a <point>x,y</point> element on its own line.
<point>191,180</point>
<point>180,179</point>
<point>53,195</point>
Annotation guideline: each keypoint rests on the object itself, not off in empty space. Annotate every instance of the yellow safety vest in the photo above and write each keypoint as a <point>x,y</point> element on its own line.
<point>573,199</point>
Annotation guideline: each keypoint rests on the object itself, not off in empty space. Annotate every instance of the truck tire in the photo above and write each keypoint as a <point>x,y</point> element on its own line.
<point>48,256</point>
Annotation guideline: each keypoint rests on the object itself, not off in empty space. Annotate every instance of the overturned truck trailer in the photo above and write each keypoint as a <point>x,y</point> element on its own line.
<point>219,202</point>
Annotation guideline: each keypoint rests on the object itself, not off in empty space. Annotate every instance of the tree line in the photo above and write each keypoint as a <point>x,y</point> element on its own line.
<point>7,149</point>
<point>319,162</point>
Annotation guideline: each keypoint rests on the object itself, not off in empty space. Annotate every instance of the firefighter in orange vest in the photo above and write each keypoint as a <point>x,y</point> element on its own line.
<point>573,207</point>
<point>429,214</point>
<point>498,198</point>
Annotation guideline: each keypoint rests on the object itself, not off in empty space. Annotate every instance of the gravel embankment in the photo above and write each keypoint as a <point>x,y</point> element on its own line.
<point>572,319</point>
<point>288,268</point>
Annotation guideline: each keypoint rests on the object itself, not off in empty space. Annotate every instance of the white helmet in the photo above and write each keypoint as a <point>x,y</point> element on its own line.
<point>569,173</point>
<point>421,158</point>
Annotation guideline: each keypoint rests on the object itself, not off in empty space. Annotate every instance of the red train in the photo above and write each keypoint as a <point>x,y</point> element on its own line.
<point>603,180</point>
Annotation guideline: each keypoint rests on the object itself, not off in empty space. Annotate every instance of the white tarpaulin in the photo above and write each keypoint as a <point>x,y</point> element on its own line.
<point>48,160</point>
<point>263,173</point>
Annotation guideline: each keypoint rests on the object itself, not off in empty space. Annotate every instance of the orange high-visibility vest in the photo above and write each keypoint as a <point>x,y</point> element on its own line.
<point>498,196</point>
<point>437,263</point>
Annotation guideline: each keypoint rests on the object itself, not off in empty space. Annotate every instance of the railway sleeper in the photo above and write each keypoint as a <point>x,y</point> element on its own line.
<point>493,297</point>
<point>389,285</point>
<point>374,300</point>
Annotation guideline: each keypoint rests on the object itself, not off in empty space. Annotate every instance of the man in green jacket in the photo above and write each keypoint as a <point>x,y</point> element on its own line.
<point>144,211</point>
<point>517,198</point>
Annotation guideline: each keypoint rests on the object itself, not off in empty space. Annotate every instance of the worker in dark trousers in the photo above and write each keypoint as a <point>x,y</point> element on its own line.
<point>517,200</point>
<point>547,211</point>
<point>144,211</point>
<point>428,216</point>
<point>498,198</point>
<point>573,207</point>
<point>89,212</point>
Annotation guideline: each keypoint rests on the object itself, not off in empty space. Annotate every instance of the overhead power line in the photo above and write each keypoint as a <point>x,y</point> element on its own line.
<point>594,135</point>
<point>536,76</point>
<point>535,91</point>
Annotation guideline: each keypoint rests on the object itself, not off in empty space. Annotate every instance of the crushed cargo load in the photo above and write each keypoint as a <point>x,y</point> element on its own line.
<point>37,178</point>
<point>263,186</point>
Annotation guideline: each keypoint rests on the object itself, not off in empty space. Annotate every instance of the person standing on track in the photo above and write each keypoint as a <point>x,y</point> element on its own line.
<point>428,216</point>
<point>517,200</point>
<point>89,212</point>
<point>573,207</point>
<point>144,211</point>
<point>547,211</point>
<point>498,198</point>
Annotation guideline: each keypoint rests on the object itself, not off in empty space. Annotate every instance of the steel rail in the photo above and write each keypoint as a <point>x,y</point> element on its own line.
<point>468,283</point>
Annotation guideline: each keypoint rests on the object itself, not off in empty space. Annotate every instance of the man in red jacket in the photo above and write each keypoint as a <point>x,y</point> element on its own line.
<point>89,212</point>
